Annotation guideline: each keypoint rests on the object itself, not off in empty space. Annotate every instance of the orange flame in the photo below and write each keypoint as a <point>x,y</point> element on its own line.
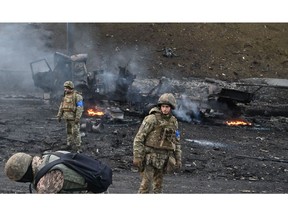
<point>91,112</point>
<point>238,123</point>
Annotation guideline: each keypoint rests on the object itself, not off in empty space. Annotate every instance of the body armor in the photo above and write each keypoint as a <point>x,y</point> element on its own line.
<point>164,135</point>
<point>71,106</point>
<point>69,103</point>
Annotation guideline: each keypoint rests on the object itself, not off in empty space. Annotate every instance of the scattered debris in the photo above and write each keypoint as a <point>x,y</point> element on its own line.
<point>168,52</point>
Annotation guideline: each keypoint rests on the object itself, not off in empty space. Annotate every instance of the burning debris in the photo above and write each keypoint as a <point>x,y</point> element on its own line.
<point>92,112</point>
<point>96,118</point>
<point>122,94</point>
<point>238,122</point>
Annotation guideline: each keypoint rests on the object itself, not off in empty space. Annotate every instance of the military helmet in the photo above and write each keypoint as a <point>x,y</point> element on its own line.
<point>69,84</point>
<point>169,99</point>
<point>17,165</point>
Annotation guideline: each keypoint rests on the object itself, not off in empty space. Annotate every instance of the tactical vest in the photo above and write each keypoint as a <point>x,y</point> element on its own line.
<point>69,103</point>
<point>72,180</point>
<point>164,134</point>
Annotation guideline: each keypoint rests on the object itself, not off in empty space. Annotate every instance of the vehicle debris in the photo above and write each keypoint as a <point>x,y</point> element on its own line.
<point>120,95</point>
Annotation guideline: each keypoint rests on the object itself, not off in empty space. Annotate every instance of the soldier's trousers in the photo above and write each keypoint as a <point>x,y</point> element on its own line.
<point>151,177</point>
<point>73,133</point>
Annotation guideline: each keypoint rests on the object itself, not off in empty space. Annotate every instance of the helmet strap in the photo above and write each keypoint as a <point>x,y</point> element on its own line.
<point>28,177</point>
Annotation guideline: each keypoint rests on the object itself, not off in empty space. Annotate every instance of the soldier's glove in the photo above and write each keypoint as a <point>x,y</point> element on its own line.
<point>77,121</point>
<point>178,165</point>
<point>138,162</point>
<point>59,119</point>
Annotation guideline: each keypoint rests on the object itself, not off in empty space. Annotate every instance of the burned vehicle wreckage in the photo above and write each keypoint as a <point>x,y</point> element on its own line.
<point>113,95</point>
<point>94,84</point>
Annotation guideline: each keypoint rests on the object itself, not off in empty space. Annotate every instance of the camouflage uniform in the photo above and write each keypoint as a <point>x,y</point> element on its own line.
<point>71,109</point>
<point>157,147</point>
<point>59,179</point>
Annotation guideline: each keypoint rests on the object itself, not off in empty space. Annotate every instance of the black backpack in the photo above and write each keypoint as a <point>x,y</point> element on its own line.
<point>98,175</point>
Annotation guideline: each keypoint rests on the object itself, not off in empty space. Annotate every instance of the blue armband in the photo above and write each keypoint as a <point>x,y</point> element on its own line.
<point>80,104</point>
<point>177,134</point>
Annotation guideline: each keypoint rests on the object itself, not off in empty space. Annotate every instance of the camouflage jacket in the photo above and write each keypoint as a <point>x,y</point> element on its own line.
<point>71,107</point>
<point>147,134</point>
<point>59,179</point>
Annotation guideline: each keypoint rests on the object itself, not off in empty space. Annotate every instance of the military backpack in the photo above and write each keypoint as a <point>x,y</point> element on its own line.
<point>97,175</point>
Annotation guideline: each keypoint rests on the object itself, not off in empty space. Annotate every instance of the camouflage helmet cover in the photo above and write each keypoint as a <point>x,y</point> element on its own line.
<point>17,165</point>
<point>69,84</point>
<point>169,99</point>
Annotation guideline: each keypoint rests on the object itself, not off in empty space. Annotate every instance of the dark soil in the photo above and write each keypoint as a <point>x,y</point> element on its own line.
<point>216,158</point>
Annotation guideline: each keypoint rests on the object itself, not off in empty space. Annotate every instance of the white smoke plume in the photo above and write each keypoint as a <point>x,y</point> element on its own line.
<point>20,44</point>
<point>186,109</point>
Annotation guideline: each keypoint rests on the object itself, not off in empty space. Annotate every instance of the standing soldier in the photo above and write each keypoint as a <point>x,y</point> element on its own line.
<point>156,147</point>
<point>71,109</point>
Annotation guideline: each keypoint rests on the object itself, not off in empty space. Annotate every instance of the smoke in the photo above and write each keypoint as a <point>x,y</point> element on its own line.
<point>113,58</point>
<point>20,44</point>
<point>187,110</point>
<point>129,57</point>
<point>106,54</point>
